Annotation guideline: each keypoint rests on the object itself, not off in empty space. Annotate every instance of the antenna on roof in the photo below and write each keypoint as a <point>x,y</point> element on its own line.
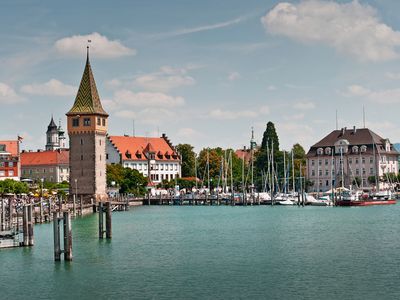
<point>337,126</point>
<point>364,116</point>
<point>87,49</point>
<point>133,127</point>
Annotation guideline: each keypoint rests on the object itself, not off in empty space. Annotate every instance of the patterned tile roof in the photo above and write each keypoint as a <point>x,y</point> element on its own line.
<point>87,100</point>
<point>57,157</point>
<point>137,147</point>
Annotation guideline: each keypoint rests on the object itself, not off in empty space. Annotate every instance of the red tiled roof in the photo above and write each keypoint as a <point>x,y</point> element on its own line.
<point>141,145</point>
<point>11,147</point>
<point>45,158</point>
<point>244,154</point>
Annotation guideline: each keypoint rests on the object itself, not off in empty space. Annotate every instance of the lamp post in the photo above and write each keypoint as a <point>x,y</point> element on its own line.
<point>41,199</point>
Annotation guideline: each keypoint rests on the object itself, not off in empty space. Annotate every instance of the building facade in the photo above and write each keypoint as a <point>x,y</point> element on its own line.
<point>50,165</point>
<point>87,129</point>
<point>155,158</point>
<point>10,165</point>
<point>350,157</point>
<point>55,138</point>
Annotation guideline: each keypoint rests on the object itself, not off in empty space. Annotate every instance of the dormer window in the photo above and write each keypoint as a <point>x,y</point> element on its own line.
<point>128,154</point>
<point>363,148</point>
<point>320,151</point>
<point>328,150</point>
<point>355,149</point>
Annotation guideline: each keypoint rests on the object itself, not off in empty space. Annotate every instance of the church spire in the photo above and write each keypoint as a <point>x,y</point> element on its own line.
<point>87,100</point>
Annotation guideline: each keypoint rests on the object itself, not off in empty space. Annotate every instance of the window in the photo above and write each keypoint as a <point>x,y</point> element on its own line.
<point>363,171</point>
<point>326,162</point>
<point>355,149</point>
<point>11,164</point>
<point>371,159</point>
<point>104,122</point>
<point>327,183</point>
<point>81,156</point>
<point>98,121</point>
<point>107,156</point>
<point>100,142</point>
<point>326,172</point>
<point>357,172</point>
<point>320,172</point>
<point>363,148</point>
<point>363,160</point>
<point>328,151</point>
<point>2,173</point>
<point>81,141</point>
<point>350,160</point>
<point>11,173</point>
<point>100,157</point>
<point>86,122</point>
<point>75,122</point>
<point>312,162</point>
<point>356,161</point>
<point>319,162</point>
<point>320,151</point>
<point>312,173</point>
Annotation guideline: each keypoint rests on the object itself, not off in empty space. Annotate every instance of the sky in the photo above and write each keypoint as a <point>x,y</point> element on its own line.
<point>203,72</point>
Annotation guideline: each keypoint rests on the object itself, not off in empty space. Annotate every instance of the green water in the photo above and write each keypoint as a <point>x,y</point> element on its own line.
<point>216,253</point>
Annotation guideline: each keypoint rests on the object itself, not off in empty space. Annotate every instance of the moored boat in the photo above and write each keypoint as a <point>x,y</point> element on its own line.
<point>357,199</point>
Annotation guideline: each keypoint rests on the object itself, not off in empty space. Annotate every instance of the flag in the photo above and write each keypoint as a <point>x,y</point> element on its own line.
<point>20,138</point>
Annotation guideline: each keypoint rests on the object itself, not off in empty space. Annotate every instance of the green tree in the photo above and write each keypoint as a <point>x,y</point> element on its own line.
<point>129,180</point>
<point>188,157</point>
<point>10,186</point>
<point>270,137</point>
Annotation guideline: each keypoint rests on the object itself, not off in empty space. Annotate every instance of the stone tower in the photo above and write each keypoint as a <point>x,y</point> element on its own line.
<point>52,142</point>
<point>61,137</point>
<point>87,129</point>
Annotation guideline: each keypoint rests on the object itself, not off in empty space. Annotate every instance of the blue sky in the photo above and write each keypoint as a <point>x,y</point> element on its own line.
<point>204,72</point>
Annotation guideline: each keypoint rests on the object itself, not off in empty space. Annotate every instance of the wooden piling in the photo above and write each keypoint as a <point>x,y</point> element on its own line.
<point>67,236</point>
<point>41,210</point>
<point>30,226</point>
<point>108,220</point>
<point>56,229</point>
<point>73,206</point>
<point>10,213</point>
<point>81,206</point>
<point>101,226</point>
<point>25,226</point>
<point>3,215</point>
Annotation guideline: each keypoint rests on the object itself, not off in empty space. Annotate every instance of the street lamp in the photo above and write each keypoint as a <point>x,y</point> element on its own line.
<point>76,187</point>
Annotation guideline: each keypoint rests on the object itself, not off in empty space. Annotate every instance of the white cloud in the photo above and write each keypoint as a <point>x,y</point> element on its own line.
<point>53,87</point>
<point>188,133</point>
<point>152,115</point>
<point>100,46</point>
<point>304,105</point>
<point>351,28</point>
<point>202,28</point>
<point>295,132</point>
<point>165,79</point>
<point>113,83</point>
<point>220,114</point>
<point>147,99</point>
<point>234,76</point>
<point>388,96</point>
<point>8,94</point>
<point>394,76</point>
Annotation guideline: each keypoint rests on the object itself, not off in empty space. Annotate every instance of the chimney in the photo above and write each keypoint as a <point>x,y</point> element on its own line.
<point>343,130</point>
<point>354,129</point>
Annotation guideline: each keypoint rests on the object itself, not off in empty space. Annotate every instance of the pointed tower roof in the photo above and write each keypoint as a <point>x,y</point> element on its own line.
<point>87,100</point>
<point>52,126</point>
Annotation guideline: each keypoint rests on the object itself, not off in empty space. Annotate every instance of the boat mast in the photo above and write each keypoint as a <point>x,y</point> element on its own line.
<point>376,168</point>
<point>317,174</point>
<point>293,183</point>
<point>284,171</point>
<point>342,165</point>
<point>208,170</point>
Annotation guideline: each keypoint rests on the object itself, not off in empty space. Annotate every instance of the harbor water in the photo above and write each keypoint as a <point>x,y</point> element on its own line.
<point>203,252</point>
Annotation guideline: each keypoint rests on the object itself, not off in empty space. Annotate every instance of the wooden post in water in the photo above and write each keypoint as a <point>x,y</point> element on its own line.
<point>81,206</point>
<point>74,206</point>
<point>25,225</point>
<point>56,229</point>
<point>67,236</point>
<point>41,210</point>
<point>108,220</point>
<point>30,225</point>
<point>10,213</point>
<point>3,215</point>
<point>60,200</point>
<point>101,225</point>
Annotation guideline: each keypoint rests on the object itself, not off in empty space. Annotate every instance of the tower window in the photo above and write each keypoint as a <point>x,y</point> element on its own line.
<point>104,122</point>
<point>86,122</point>
<point>81,141</point>
<point>98,121</point>
<point>75,122</point>
<point>81,157</point>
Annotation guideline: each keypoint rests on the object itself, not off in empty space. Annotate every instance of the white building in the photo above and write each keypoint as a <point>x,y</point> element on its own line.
<point>349,154</point>
<point>155,158</point>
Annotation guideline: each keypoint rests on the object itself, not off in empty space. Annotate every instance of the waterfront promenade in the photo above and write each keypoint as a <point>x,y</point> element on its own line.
<point>203,252</point>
